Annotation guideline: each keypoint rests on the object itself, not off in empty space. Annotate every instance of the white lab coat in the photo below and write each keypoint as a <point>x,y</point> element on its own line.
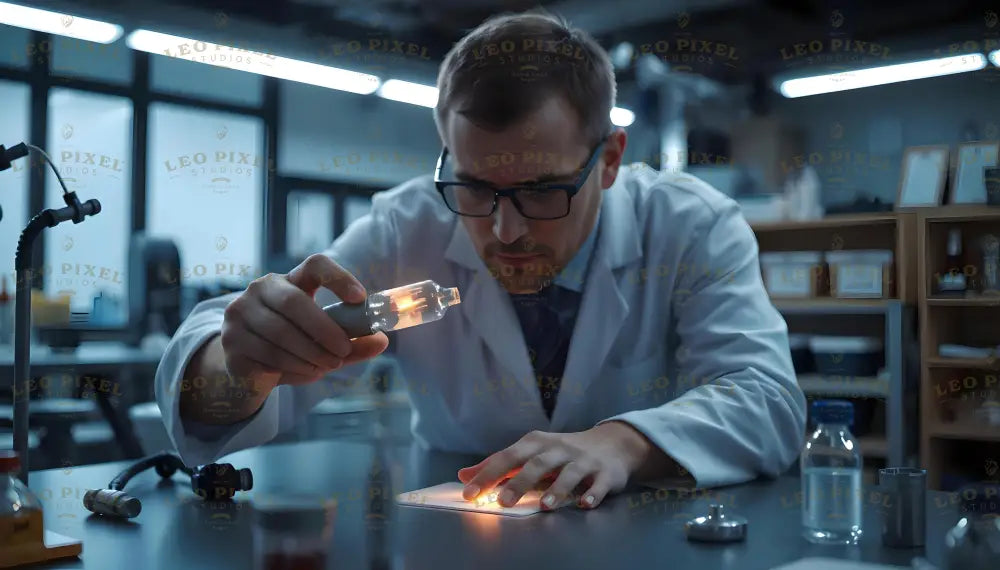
<point>675,335</point>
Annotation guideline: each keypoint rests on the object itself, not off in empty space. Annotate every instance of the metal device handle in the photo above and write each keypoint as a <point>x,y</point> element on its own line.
<point>352,317</point>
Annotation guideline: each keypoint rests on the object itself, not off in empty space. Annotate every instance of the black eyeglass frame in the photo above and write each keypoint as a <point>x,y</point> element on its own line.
<point>511,191</point>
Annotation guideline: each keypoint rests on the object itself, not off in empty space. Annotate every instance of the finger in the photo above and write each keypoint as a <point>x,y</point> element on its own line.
<point>367,347</point>
<point>302,312</point>
<point>276,330</point>
<point>319,270</point>
<point>593,496</point>
<point>498,465</point>
<point>245,343</point>
<point>562,488</point>
<point>531,475</point>
<point>466,474</point>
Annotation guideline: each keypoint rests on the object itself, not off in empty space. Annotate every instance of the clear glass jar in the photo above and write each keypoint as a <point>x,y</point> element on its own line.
<point>20,510</point>
<point>292,532</point>
<point>831,467</point>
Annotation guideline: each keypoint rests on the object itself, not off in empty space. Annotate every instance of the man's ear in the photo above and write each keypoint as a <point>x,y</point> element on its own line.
<point>614,152</point>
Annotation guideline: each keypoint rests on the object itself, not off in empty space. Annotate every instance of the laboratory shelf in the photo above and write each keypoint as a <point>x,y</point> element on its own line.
<point>893,319</point>
<point>845,387</point>
<point>966,363</point>
<point>963,301</point>
<point>965,431</point>
<point>832,306</point>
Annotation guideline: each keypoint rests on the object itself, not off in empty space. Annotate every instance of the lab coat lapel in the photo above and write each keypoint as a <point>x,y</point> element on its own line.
<point>488,310</point>
<point>603,307</point>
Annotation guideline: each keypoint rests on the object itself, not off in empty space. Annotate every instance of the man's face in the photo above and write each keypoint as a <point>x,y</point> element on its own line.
<point>526,254</point>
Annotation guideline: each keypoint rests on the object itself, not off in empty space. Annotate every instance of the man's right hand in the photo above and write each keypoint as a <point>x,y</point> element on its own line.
<point>274,333</point>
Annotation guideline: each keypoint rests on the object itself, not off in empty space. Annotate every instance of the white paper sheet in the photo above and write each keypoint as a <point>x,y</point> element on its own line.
<point>834,564</point>
<point>449,496</point>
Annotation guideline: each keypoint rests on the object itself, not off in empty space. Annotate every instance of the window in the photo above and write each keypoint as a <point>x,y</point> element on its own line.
<point>14,48</point>
<point>310,223</point>
<point>13,181</point>
<point>337,136</point>
<point>107,62</point>
<point>206,175</point>
<point>90,142</point>
<point>192,78</point>
<point>355,207</point>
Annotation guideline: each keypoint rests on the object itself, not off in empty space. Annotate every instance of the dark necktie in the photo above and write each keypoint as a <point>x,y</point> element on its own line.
<point>547,320</point>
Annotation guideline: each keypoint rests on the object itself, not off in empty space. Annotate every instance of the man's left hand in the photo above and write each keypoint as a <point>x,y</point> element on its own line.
<point>590,463</point>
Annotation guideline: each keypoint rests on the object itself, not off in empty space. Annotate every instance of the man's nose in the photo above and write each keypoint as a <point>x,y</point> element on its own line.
<point>508,223</point>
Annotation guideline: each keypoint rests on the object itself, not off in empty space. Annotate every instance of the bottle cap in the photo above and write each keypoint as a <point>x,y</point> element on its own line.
<point>10,461</point>
<point>450,296</point>
<point>833,412</point>
<point>718,526</point>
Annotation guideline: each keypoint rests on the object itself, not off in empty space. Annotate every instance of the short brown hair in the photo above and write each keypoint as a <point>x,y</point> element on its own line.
<point>494,76</point>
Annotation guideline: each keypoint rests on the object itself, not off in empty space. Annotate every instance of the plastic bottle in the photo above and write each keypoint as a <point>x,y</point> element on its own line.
<point>831,476</point>
<point>21,524</point>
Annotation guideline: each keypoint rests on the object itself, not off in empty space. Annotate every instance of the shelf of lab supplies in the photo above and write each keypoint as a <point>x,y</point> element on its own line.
<point>964,320</point>
<point>831,306</point>
<point>846,387</point>
<point>894,231</point>
<point>890,319</point>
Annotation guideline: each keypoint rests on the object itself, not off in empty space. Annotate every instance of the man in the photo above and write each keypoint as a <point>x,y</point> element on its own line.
<point>613,323</point>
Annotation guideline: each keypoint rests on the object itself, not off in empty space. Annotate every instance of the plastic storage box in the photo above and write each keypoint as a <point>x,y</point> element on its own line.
<point>860,273</point>
<point>847,356</point>
<point>792,274</point>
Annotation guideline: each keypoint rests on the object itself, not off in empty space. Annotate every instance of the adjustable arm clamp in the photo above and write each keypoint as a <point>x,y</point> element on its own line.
<point>212,482</point>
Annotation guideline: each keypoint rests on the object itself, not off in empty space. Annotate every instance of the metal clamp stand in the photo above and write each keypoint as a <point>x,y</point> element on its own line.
<point>75,211</point>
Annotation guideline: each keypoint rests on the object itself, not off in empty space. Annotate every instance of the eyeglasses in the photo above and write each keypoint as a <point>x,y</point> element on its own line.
<point>536,201</point>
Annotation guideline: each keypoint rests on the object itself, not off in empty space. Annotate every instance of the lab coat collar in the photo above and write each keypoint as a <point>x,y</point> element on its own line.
<point>602,311</point>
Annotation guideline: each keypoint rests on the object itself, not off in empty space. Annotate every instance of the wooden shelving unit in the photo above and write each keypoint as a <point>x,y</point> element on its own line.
<point>890,318</point>
<point>954,445</point>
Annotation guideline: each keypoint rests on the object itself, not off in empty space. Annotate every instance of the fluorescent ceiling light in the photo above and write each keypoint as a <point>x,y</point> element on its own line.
<point>253,62</point>
<point>59,24</point>
<point>427,96</point>
<point>406,92</point>
<point>995,57</point>
<point>882,75</point>
<point>621,117</point>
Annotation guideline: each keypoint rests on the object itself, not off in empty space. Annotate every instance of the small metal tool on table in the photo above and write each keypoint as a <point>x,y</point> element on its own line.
<point>717,526</point>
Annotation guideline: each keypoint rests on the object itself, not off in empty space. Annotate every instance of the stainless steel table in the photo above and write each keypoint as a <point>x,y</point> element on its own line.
<point>641,528</point>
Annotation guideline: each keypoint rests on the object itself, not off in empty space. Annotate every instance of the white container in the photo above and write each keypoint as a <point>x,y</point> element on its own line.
<point>790,274</point>
<point>858,273</point>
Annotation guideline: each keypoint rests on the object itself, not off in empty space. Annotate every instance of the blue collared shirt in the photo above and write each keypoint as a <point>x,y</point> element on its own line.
<point>574,275</point>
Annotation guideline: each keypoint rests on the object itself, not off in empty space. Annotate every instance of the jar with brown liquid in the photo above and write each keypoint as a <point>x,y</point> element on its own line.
<point>21,524</point>
<point>292,532</point>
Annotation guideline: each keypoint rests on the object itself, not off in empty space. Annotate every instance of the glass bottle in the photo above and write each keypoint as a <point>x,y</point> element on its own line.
<point>20,510</point>
<point>831,466</point>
